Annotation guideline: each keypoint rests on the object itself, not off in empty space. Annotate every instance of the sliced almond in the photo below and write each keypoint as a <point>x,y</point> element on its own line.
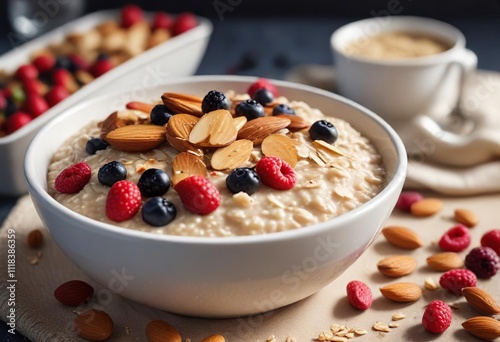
<point>183,145</point>
<point>183,103</point>
<point>297,122</point>
<point>232,156</point>
<point>239,122</point>
<point>402,292</point>
<point>485,328</point>
<point>426,207</point>
<point>186,164</point>
<point>466,217</point>
<point>258,129</point>
<point>214,129</point>
<point>281,146</point>
<point>136,138</point>
<point>445,261</point>
<point>397,266</point>
<point>141,106</point>
<point>329,148</point>
<point>481,300</point>
<point>402,237</point>
<point>181,125</point>
<point>430,284</point>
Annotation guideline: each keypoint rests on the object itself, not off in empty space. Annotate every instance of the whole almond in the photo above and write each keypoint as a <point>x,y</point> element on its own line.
<point>485,328</point>
<point>141,106</point>
<point>445,261</point>
<point>161,331</point>
<point>73,292</point>
<point>214,338</point>
<point>136,138</point>
<point>402,292</point>
<point>94,325</point>
<point>232,156</point>
<point>281,146</point>
<point>481,300</point>
<point>426,207</point>
<point>402,237</point>
<point>397,266</point>
<point>183,103</point>
<point>35,239</point>
<point>257,129</point>
<point>297,123</point>
<point>466,217</point>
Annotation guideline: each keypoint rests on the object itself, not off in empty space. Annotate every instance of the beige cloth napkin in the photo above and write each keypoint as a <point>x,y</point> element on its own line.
<point>41,318</point>
<point>481,99</point>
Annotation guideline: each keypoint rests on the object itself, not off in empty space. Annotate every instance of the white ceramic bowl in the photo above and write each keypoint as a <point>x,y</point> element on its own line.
<point>177,57</point>
<point>217,277</point>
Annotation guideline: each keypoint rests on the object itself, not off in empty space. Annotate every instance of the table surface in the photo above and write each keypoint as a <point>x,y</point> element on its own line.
<point>271,46</point>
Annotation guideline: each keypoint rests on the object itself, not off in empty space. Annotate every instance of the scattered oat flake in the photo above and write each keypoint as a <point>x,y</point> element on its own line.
<point>290,339</point>
<point>314,157</point>
<point>350,335</point>
<point>398,316</point>
<point>311,184</point>
<point>430,285</point>
<point>379,326</point>
<point>271,338</point>
<point>360,332</point>
<point>276,202</point>
<point>393,325</point>
<point>338,339</point>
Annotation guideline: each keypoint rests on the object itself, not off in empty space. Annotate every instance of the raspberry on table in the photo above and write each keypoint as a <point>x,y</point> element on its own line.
<point>456,239</point>
<point>455,280</point>
<point>483,261</point>
<point>276,173</point>
<point>73,178</point>
<point>492,239</point>
<point>407,198</point>
<point>359,295</point>
<point>124,201</point>
<point>437,317</point>
<point>198,194</point>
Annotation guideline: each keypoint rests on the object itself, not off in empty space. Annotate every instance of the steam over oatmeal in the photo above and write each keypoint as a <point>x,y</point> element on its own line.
<point>330,179</point>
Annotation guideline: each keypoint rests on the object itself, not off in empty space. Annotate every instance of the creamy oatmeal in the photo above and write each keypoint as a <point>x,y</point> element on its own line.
<point>397,45</point>
<point>331,180</point>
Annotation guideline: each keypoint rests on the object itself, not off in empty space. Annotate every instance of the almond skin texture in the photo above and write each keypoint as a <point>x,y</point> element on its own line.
<point>136,138</point>
<point>466,217</point>
<point>481,300</point>
<point>257,129</point>
<point>426,207</point>
<point>397,266</point>
<point>35,239</point>
<point>183,103</point>
<point>74,292</point>
<point>485,328</point>
<point>402,237</point>
<point>214,338</point>
<point>445,261</point>
<point>94,325</point>
<point>161,331</point>
<point>402,292</point>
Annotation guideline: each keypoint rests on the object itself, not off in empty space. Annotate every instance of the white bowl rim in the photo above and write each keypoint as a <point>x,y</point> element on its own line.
<point>36,189</point>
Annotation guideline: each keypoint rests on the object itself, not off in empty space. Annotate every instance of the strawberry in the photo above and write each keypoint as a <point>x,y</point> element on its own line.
<point>16,121</point>
<point>276,173</point>
<point>162,20</point>
<point>35,105</point>
<point>56,94</point>
<point>33,85</point>
<point>130,15</point>
<point>26,71</point>
<point>124,201</point>
<point>198,195</point>
<point>73,178</point>
<point>359,295</point>
<point>184,22</point>
<point>44,63</point>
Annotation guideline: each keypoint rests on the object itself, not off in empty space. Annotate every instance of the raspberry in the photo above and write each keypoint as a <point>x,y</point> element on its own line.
<point>455,280</point>
<point>359,295</point>
<point>26,71</point>
<point>44,63</point>
<point>184,22</point>
<point>162,20</point>
<point>130,15</point>
<point>407,198</point>
<point>437,317</point>
<point>198,195</point>
<point>16,121</point>
<point>73,178</point>
<point>262,83</point>
<point>483,261</point>
<point>124,201</point>
<point>276,173</point>
<point>492,239</point>
<point>456,239</point>
<point>56,94</point>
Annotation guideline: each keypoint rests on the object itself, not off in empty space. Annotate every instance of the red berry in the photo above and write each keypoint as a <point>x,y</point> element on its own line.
<point>455,239</point>
<point>437,317</point>
<point>184,22</point>
<point>56,94</point>
<point>407,198</point>
<point>3,101</point>
<point>44,63</point>
<point>33,86</point>
<point>359,295</point>
<point>455,280</point>
<point>492,239</point>
<point>78,62</point>
<point>162,20</point>
<point>26,72</point>
<point>483,261</point>
<point>16,121</point>
<point>61,77</point>
<point>276,173</point>
<point>73,178</point>
<point>100,67</point>
<point>35,105</point>
<point>198,195</point>
<point>124,201</point>
<point>130,15</point>
<point>262,83</point>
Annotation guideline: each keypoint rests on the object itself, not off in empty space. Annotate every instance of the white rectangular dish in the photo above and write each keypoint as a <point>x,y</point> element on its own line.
<point>178,56</point>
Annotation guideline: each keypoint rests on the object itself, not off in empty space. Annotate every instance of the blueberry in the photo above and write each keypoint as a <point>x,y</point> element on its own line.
<point>250,109</point>
<point>111,173</point>
<point>154,182</point>
<point>263,96</point>
<point>214,100</point>
<point>323,130</point>
<point>158,211</point>
<point>160,115</point>
<point>63,62</point>
<point>283,109</point>
<point>243,179</point>
<point>10,107</point>
<point>102,55</point>
<point>95,144</point>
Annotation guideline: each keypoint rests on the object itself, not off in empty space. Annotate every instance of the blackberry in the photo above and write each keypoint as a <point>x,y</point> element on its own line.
<point>483,261</point>
<point>214,100</point>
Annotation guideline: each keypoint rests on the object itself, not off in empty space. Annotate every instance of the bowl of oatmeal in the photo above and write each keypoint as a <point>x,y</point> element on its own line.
<point>213,204</point>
